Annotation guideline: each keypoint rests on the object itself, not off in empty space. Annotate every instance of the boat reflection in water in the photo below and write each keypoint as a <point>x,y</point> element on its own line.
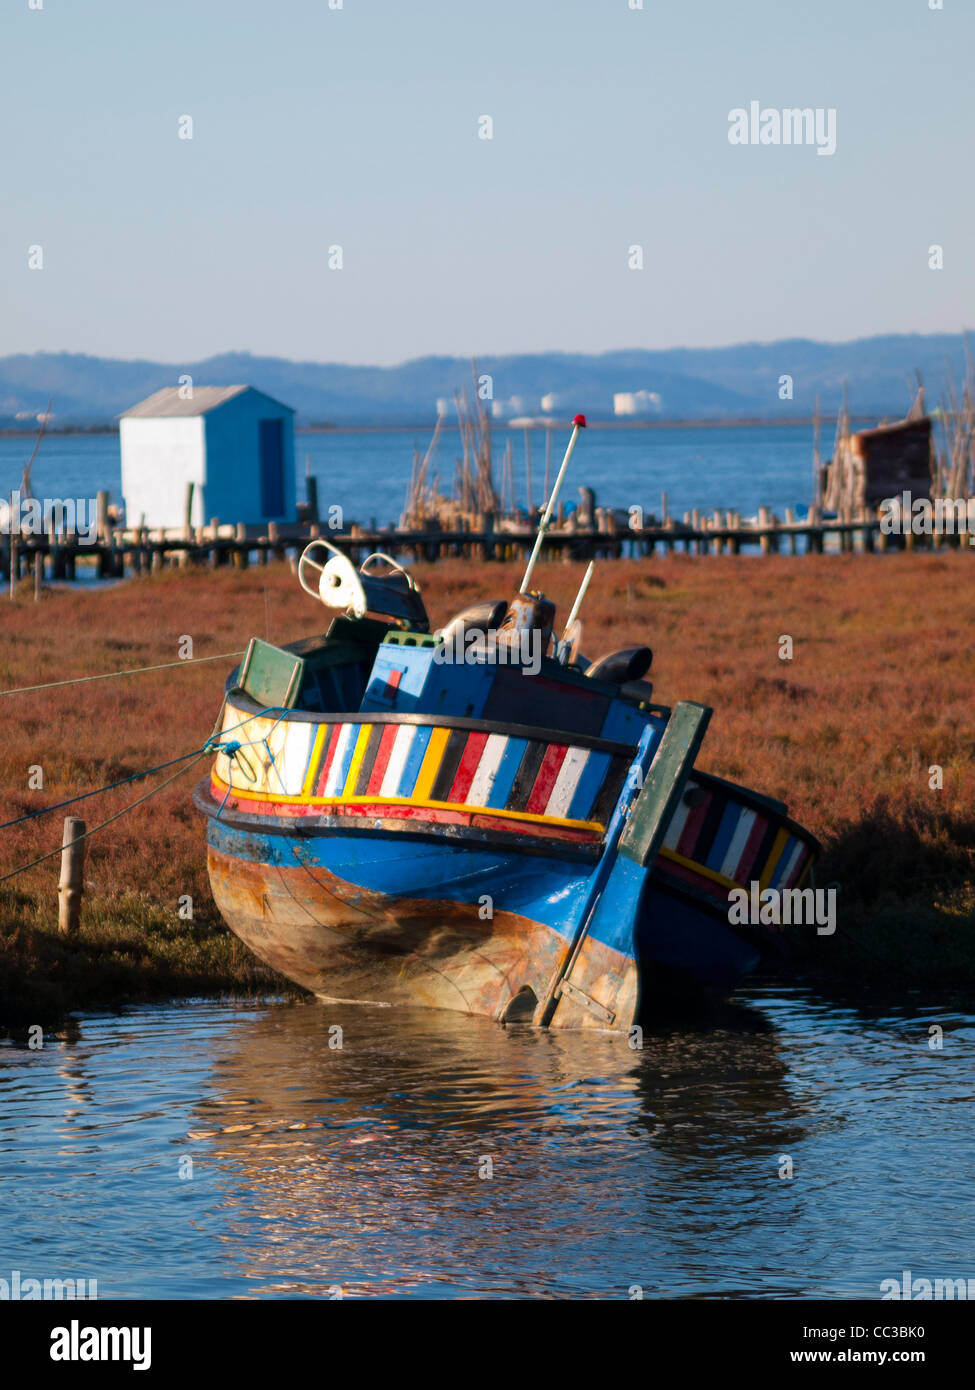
<point>451,1157</point>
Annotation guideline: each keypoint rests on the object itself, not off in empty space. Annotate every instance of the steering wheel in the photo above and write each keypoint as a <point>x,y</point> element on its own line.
<point>394,565</point>
<point>307,565</point>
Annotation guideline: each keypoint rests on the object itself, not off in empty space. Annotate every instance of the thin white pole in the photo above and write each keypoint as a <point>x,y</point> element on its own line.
<point>579,423</point>
<point>579,597</point>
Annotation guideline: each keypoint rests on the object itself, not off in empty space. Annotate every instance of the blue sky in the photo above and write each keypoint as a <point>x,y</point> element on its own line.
<point>358,127</point>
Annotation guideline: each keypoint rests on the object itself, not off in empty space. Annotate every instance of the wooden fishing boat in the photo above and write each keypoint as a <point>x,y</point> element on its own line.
<point>478,819</point>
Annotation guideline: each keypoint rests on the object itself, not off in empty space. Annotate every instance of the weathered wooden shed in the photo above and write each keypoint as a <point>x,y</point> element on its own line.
<point>233,443</point>
<point>875,464</point>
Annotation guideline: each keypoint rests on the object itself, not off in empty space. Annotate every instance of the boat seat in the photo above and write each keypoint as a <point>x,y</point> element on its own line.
<point>627,664</point>
<point>486,616</point>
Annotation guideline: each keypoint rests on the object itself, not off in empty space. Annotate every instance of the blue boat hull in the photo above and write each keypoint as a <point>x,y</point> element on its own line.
<point>403,920</point>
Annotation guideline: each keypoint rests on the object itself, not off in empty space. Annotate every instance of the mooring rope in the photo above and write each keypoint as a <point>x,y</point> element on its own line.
<point>117,816</point>
<point>213,744</point>
<point>109,787</point>
<point>110,675</point>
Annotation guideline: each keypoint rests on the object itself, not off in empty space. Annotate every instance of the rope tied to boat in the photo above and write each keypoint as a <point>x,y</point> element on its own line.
<point>214,744</point>
<point>117,816</point>
<point>234,748</point>
<point>97,791</point>
<point>231,748</point>
<point>111,675</point>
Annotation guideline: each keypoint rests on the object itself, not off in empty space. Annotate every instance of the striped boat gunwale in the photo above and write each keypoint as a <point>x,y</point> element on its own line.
<point>687,878</point>
<point>704,815</point>
<point>682,861</point>
<point>223,789</point>
<point>722,880</point>
<point>238,700</point>
<point>428,769</point>
<point>721,838</point>
<point>440,767</point>
<point>310,826</point>
<point>686,889</point>
<point>766,806</point>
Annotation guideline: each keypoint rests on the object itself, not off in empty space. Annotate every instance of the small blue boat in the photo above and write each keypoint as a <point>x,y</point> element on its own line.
<point>479,819</point>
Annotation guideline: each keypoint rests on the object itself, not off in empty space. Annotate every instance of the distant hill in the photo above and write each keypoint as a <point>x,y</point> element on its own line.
<point>675,384</point>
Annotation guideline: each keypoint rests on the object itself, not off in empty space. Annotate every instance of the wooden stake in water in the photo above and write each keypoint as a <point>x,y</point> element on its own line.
<point>578,423</point>
<point>71,884</point>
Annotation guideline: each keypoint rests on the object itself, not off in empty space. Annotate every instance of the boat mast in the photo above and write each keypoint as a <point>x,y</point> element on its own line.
<point>578,423</point>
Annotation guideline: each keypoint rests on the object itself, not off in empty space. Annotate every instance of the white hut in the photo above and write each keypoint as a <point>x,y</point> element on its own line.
<point>233,443</point>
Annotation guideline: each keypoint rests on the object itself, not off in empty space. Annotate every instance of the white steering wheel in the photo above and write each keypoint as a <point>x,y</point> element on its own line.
<point>393,565</point>
<point>335,581</point>
<point>306,564</point>
<point>332,580</point>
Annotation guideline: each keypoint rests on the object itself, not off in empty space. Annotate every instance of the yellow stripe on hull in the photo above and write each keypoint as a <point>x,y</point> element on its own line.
<point>698,868</point>
<point>358,754</point>
<point>430,766</point>
<point>772,863</point>
<point>313,761</point>
<point>326,801</point>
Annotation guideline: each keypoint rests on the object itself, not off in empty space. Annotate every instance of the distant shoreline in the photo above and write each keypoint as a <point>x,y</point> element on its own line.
<point>748,422</point>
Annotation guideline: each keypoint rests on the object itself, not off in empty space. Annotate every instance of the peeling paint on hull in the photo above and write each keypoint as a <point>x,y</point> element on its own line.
<point>342,941</point>
<point>508,914</point>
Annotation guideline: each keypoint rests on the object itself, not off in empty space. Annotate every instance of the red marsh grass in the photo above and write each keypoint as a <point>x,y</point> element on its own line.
<point>878,691</point>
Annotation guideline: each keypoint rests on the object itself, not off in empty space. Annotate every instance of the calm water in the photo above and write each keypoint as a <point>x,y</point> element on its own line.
<point>315,1167</point>
<point>368,474</point>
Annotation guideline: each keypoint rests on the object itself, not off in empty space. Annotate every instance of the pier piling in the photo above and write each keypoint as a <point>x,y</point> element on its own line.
<point>482,535</point>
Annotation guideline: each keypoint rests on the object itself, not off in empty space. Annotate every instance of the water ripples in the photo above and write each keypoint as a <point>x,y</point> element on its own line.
<point>441,1155</point>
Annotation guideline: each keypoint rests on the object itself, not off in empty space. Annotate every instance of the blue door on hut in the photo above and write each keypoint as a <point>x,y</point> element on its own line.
<point>271,451</point>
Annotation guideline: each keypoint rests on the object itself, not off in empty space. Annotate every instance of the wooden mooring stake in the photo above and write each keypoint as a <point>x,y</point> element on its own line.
<point>71,883</point>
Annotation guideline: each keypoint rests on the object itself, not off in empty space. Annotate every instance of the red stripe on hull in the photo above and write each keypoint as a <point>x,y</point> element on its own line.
<point>382,760</point>
<point>545,781</point>
<point>692,828</point>
<point>332,744</point>
<point>468,766</point>
<point>543,832</point>
<point>666,868</point>
<point>275,810</point>
<point>418,813</point>
<point>747,861</point>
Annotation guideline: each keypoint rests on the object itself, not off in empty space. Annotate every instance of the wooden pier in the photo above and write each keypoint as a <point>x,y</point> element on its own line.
<point>119,552</point>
